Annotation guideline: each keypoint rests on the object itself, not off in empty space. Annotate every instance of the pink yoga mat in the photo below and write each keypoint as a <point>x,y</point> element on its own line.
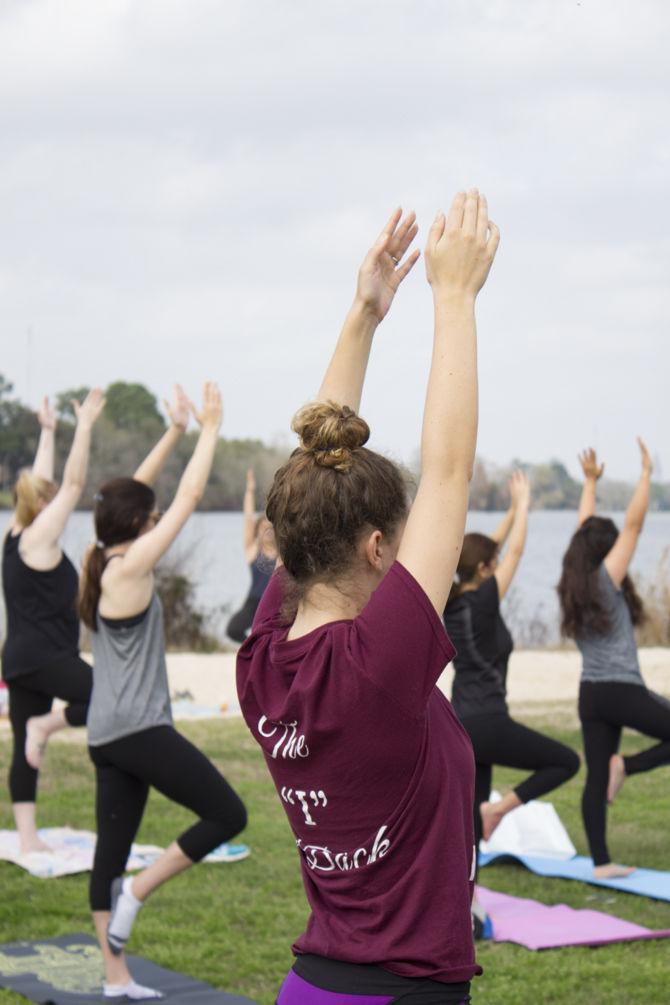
<point>537,926</point>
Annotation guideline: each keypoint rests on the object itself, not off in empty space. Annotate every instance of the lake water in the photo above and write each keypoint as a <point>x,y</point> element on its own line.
<point>210,552</point>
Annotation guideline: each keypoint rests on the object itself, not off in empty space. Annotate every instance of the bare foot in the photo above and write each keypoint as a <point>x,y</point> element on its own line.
<point>617,777</point>
<point>36,845</point>
<point>491,817</point>
<point>612,871</point>
<point>36,743</point>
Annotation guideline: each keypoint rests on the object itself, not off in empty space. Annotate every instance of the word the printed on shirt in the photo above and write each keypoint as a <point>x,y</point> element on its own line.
<point>322,859</point>
<point>318,798</point>
<point>290,743</point>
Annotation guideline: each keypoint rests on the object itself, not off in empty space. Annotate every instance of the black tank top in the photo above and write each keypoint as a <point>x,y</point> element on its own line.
<point>42,622</point>
<point>262,568</point>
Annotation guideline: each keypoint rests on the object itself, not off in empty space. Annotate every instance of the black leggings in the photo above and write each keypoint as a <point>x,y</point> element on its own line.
<point>241,621</point>
<point>125,770</point>
<point>498,739</point>
<point>70,679</point>
<point>604,709</point>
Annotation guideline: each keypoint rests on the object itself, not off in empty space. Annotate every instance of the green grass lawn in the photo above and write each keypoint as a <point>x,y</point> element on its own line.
<point>232,925</point>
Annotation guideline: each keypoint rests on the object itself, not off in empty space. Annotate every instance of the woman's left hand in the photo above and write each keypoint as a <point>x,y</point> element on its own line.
<point>383,270</point>
<point>647,464</point>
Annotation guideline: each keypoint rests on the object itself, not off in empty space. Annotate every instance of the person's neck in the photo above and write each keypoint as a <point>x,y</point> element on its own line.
<point>323,604</point>
<point>118,549</point>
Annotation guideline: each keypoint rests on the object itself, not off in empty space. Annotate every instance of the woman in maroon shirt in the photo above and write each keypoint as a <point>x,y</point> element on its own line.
<point>337,679</point>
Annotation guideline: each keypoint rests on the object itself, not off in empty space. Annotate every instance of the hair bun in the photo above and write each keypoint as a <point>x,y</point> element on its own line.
<point>331,432</point>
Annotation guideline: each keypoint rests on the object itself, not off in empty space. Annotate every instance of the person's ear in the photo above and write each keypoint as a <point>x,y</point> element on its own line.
<point>373,550</point>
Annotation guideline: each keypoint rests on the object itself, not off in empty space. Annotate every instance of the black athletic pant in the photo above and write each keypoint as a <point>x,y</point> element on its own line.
<point>498,739</point>
<point>70,679</point>
<point>242,620</point>
<point>125,770</point>
<point>604,709</point>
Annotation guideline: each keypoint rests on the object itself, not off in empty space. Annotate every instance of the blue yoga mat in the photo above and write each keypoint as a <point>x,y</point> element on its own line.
<point>643,882</point>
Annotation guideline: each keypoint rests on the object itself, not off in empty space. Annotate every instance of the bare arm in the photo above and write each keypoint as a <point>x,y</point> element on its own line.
<point>153,464</point>
<point>501,533</point>
<point>592,472</point>
<point>40,539</point>
<point>249,511</point>
<point>146,550</point>
<point>459,254</point>
<point>620,556</point>
<point>379,277</point>
<point>43,465</point>
<point>520,491</point>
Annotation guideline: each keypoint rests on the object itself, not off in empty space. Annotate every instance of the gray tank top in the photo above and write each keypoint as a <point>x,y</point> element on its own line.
<point>613,656</point>
<point>130,685</point>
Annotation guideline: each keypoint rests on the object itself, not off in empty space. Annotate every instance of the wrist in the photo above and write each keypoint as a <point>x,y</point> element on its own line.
<point>177,427</point>
<point>451,299</point>
<point>364,315</point>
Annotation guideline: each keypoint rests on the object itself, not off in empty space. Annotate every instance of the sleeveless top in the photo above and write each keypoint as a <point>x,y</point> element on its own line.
<point>130,685</point>
<point>262,568</point>
<point>41,605</point>
<point>612,656</point>
<point>483,648</point>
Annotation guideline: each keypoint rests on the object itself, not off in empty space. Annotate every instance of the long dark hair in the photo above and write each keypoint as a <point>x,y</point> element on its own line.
<point>583,611</point>
<point>122,508</point>
<point>476,548</point>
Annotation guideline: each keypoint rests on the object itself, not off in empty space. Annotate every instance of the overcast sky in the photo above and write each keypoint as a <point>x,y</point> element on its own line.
<point>187,188</point>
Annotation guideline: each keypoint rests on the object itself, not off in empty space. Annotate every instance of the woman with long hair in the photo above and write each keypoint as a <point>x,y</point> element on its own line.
<point>337,679</point>
<point>40,659</point>
<point>600,608</point>
<point>132,741</point>
<point>484,645</point>
<point>260,552</point>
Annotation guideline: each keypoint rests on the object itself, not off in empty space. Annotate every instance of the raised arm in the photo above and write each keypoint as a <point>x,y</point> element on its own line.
<point>519,487</point>
<point>501,533</point>
<point>43,465</point>
<point>249,511</point>
<point>153,464</point>
<point>459,254</point>
<point>40,540</point>
<point>592,472</point>
<point>147,549</point>
<point>379,277</point>
<point>621,554</point>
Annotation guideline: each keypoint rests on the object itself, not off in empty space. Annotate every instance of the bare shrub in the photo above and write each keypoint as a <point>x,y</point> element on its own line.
<point>655,594</point>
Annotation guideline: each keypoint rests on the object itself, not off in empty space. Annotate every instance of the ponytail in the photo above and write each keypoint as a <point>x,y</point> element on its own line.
<point>89,587</point>
<point>477,549</point>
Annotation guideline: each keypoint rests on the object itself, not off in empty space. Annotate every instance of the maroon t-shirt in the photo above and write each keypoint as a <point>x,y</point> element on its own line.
<point>376,775</point>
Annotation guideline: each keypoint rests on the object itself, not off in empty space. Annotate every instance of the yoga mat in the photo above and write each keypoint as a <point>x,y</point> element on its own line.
<point>68,971</point>
<point>538,926</point>
<point>643,882</point>
<point>72,853</point>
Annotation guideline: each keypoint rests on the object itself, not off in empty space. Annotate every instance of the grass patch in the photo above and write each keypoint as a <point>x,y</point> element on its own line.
<point>233,925</point>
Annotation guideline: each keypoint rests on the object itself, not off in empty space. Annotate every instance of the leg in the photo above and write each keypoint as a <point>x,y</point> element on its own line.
<point>120,802</point>
<point>70,679</point>
<point>174,766</point>
<point>24,703</point>
<point>649,714</point>
<point>242,620</point>
<point>510,744</point>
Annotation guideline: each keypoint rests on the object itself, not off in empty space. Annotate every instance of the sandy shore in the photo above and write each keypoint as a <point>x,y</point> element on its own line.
<point>541,683</point>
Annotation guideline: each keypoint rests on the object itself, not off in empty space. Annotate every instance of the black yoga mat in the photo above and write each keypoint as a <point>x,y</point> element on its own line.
<point>68,971</point>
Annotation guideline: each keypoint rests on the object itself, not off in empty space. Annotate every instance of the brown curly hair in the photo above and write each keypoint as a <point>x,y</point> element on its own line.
<point>329,491</point>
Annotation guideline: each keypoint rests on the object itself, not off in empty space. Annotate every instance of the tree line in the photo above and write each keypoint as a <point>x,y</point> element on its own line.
<point>132,422</point>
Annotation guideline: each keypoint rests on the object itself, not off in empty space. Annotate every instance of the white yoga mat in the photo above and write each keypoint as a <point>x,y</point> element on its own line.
<point>72,852</point>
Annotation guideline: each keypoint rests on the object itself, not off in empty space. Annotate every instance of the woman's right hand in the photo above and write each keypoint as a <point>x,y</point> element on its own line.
<point>589,462</point>
<point>210,414</point>
<point>89,411</point>
<point>647,463</point>
<point>519,489</point>
<point>46,415</point>
<point>462,246</point>
<point>251,480</point>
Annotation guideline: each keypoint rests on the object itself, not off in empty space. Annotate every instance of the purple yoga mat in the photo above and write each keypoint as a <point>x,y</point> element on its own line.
<point>537,926</point>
